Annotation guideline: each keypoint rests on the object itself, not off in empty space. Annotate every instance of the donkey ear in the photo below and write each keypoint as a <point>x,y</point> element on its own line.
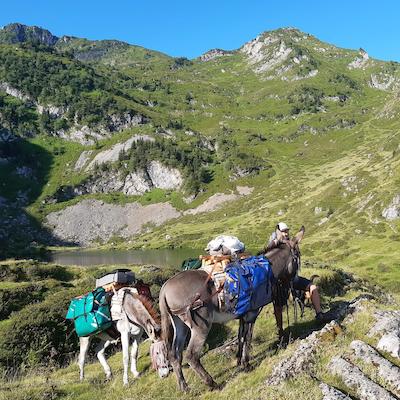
<point>297,239</point>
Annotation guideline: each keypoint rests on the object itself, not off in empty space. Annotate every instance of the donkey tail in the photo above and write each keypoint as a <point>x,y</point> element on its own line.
<point>167,330</point>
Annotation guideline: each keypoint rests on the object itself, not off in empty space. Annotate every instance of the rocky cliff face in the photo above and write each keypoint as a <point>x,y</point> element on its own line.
<point>281,55</point>
<point>112,154</point>
<point>116,123</point>
<point>215,53</point>
<point>18,33</point>
<point>137,183</point>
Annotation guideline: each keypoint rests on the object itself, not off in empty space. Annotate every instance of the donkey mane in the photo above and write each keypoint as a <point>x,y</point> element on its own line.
<point>148,306</point>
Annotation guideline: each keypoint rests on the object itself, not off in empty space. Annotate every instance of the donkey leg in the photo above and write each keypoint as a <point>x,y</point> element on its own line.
<point>278,319</point>
<point>200,328</point>
<point>175,355</point>
<point>248,335</point>
<point>240,341</point>
<point>100,350</point>
<point>134,356</point>
<point>83,349</point>
<point>125,355</point>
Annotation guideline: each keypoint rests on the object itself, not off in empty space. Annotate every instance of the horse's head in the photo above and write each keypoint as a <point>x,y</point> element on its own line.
<point>285,259</point>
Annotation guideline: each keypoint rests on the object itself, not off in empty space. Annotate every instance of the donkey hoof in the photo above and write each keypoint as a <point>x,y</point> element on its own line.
<point>215,386</point>
<point>109,377</point>
<point>184,388</point>
<point>135,374</point>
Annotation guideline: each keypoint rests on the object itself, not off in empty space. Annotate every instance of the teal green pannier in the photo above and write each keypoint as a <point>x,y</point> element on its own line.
<point>191,263</point>
<point>90,312</point>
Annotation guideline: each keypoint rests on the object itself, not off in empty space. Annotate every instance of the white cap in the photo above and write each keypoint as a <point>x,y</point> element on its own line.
<point>283,227</point>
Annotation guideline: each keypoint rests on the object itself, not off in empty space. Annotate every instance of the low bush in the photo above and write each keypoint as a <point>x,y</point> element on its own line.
<point>33,271</point>
<point>15,298</point>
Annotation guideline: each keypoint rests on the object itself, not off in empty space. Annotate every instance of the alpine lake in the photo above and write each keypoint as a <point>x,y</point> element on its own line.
<point>157,257</point>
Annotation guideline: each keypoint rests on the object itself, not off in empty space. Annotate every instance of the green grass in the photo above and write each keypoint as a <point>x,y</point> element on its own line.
<point>52,382</point>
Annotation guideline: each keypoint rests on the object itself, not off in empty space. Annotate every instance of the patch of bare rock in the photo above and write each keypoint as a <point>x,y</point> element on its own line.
<point>217,200</point>
<point>354,379</point>
<point>303,358</point>
<point>392,212</point>
<point>360,62</point>
<point>215,53</point>
<point>330,393</point>
<point>387,327</point>
<point>112,154</point>
<point>92,220</point>
<point>389,372</point>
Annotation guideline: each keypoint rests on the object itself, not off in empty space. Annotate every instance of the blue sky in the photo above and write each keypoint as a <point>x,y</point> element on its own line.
<point>189,28</point>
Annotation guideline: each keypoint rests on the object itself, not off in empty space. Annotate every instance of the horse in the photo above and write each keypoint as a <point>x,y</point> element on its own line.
<point>138,316</point>
<point>189,303</point>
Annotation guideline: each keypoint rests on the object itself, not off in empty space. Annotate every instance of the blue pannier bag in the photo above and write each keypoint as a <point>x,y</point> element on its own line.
<point>248,284</point>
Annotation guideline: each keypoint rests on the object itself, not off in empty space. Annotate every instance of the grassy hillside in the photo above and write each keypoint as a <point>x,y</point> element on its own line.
<point>311,127</point>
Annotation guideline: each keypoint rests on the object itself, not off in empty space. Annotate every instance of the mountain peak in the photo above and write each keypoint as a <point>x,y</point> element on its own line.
<point>18,33</point>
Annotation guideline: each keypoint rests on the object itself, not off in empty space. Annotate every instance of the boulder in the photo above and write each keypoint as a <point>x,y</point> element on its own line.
<point>354,379</point>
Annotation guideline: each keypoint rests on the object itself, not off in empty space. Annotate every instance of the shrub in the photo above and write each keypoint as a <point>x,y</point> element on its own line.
<point>37,335</point>
<point>15,298</point>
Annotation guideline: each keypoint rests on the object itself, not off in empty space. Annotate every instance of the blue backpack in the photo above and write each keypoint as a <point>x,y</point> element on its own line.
<point>248,284</point>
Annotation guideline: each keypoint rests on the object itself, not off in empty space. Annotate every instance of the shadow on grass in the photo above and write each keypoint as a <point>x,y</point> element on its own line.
<point>23,174</point>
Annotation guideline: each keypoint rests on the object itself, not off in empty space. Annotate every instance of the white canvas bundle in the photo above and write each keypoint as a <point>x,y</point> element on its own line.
<point>225,244</point>
<point>116,302</point>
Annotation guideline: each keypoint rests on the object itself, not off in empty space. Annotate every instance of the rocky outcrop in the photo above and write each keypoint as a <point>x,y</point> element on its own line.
<point>392,212</point>
<point>137,183</point>
<point>266,57</point>
<point>387,326</point>
<point>163,177</point>
<point>93,221</point>
<point>18,33</point>
<point>117,123</point>
<point>389,372</point>
<point>84,157</point>
<point>331,393</point>
<point>360,62</point>
<point>112,154</point>
<point>156,175</point>
<point>89,136</point>
<point>52,110</point>
<point>215,53</point>
<point>84,135</point>
<point>303,358</point>
<point>212,203</point>
<point>353,378</point>
<point>382,81</point>
<point>12,91</point>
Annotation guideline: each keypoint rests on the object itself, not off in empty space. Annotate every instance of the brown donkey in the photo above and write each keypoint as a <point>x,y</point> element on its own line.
<point>188,303</point>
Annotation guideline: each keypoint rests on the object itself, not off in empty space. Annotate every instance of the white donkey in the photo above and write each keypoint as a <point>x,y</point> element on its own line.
<point>137,316</point>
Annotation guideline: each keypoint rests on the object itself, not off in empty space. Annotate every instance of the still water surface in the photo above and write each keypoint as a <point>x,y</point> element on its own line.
<point>159,257</point>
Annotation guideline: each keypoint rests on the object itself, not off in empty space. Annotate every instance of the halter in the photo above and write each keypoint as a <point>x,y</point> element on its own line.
<point>157,348</point>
